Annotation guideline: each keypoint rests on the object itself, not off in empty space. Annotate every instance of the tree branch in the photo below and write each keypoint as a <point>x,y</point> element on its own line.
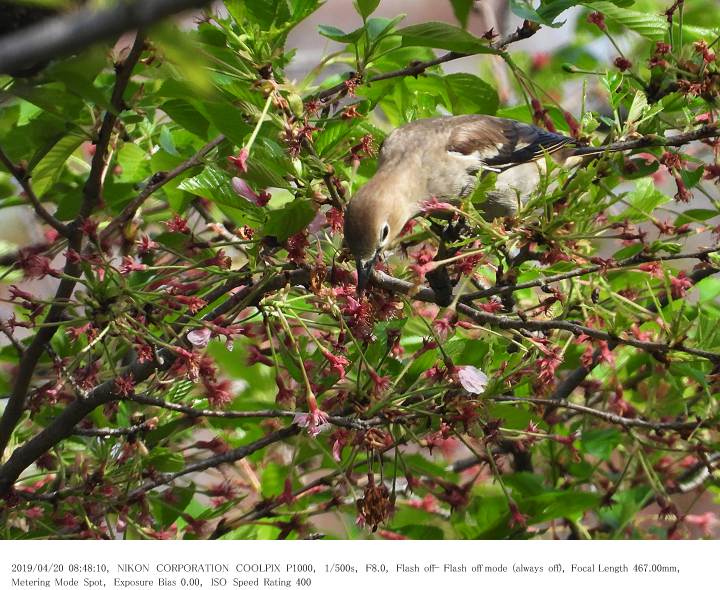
<point>704,132</point>
<point>341,421</point>
<point>103,432</point>
<point>92,190</point>
<point>577,376</point>
<point>63,35</point>
<point>392,284</point>
<point>21,176</point>
<point>578,272</point>
<point>216,460</point>
<point>526,30</point>
<point>608,416</point>
<point>26,368</point>
<point>157,182</point>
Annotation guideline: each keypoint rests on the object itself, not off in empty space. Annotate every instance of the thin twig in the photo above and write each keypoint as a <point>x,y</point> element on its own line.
<point>157,182</point>
<point>578,272</point>
<point>608,416</point>
<point>415,69</point>
<point>23,179</point>
<point>215,461</point>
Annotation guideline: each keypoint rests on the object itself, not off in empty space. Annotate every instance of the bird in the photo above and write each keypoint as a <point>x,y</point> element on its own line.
<point>442,157</point>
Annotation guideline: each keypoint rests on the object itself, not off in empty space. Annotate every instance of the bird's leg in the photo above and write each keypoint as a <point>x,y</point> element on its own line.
<point>439,278</point>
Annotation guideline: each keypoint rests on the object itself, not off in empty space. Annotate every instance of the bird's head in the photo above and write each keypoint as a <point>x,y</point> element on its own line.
<point>372,222</point>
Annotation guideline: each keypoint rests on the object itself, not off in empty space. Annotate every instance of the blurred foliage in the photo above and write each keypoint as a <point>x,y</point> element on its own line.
<point>409,451</point>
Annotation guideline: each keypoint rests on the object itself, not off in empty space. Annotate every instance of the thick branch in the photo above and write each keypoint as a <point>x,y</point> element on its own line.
<point>91,194</point>
<point>92,190</point>
<point>64,424</point>
<point>63,35</point>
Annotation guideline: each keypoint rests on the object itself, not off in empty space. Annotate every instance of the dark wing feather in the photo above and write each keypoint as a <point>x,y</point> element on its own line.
<point>503,143</point>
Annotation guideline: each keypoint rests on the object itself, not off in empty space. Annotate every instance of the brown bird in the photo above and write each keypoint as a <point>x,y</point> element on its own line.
<point>442,157</point>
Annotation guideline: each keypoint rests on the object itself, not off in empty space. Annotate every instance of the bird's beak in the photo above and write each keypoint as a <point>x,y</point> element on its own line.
<point>364,270</point>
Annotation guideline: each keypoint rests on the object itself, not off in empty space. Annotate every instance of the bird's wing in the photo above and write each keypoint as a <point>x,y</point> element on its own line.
<point>502,143</point>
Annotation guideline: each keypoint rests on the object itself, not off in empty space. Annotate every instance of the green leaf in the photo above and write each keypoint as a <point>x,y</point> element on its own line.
<point>268,165</point>
<point>422,532</point>
<point>471,95</point>
<point>366,7</point>
<point>267,12</point>
<point>601,443</point>
<point>648,24</point>
<point>546,12</point>
<point>644,200</point>
<point>52,165</point>
<point>640,167</point>
<point>168,511</point>
<point>380,27</point>
<point>553,505</point>
<point>339,35</point>
<point>227,119</point>
<point>78,74</point>
<point>134,163</point>
<point>68,199</point>
<point>273,479</point>
<point>187,116</point>
<point>443,36</point>
<point>695,216</point>
<point>461,10</point>
<point>708,289</point>
<point>637,109</point>
<point>285,222</point>
<point>164,460</point>
<point>692,177</point>
<point>214,185</point>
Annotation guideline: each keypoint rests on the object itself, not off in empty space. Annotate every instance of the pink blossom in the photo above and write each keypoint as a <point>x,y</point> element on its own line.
<point>680,284</point>
<point>380,384</point>
<point>315,421</point>
<point>339,439</point>
<point>129,265</point>
<point>178,224</point>
<point>125,385</point>
<point>218,394</point>
<point>193,303</point>
<point>334,218</point>
<point>433,204</point>
<point>517,518</point>
<point>243,189</point>
<point>491,306</point>
<point>240,161</point>
<point>705,522</point>
<point>199,337</point>
<point>16,292</point>
<point>548,366</point>
<point>337,362</point>
<point>472,379</point>
<point>146,245</point>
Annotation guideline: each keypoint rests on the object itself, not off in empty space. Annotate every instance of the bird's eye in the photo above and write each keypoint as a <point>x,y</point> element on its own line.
<point>385,232</point>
